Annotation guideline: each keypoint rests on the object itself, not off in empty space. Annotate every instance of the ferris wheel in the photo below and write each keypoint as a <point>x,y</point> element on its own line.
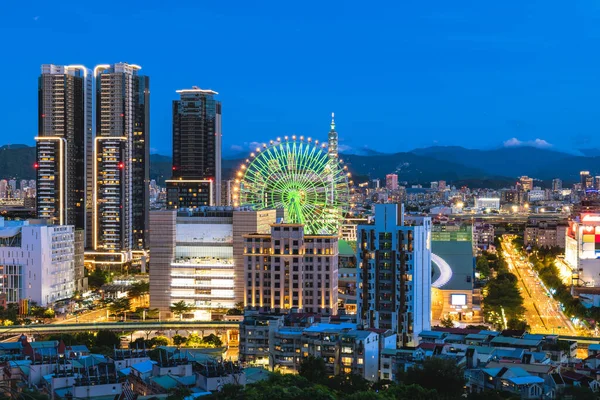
<point>300,177</point>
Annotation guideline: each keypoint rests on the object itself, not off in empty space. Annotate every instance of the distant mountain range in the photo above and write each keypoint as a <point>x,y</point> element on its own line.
<point>454,164</point>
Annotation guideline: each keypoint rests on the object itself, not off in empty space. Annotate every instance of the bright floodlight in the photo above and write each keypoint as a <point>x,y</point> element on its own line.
<point>301,178</point>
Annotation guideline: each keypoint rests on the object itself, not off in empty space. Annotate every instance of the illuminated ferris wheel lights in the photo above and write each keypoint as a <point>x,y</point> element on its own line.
<point>310,139</point>
<point>300,178</point>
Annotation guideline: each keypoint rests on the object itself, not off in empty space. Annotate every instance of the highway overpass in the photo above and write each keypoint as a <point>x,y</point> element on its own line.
<point>119,327</point>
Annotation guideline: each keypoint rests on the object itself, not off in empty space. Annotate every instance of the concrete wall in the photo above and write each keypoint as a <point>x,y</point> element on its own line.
<point>162,252</point>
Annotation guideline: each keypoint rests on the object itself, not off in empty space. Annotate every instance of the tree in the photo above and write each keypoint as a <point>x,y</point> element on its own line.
<point>86,338</point>
<point>411,392</point>
<point>442,375</point>
<point>313,369</point>
<point>180,308</point>
<point>108,339</point>
<point>447,322</point>
<point>493,395</point>
<point>503,299</point>
<point>483,267</point>
<point>67,338</point>
<point>97,278</point>
<point>212,340</point>
<point>138,289</point>
<point>194,340</point>
<point>179,393</point>
<point>517,324</point>
<point>120,306</point>
<point>577,393</point>
<point>350,383</point>
<point>179,340</point>
<point>238,309</point>
<point>159,341</point>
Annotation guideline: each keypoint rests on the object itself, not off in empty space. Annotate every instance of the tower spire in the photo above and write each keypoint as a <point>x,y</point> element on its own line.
<point>333,140</point>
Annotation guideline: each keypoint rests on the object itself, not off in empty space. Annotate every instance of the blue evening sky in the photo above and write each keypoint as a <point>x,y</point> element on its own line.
<point>398,74</point>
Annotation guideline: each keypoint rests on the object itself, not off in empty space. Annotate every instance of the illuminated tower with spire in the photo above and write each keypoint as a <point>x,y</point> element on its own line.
<point>333,140</point>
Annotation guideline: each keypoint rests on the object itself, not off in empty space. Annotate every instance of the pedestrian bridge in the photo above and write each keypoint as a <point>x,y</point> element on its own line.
<point>119,327</point>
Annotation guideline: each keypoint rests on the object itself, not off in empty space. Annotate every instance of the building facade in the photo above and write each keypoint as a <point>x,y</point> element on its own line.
<point>287,269</point>
<point>394,277</point>
<point>483,234</point>
<point>485,203</point>
<point>36,261</point>
<point>526,183</point>
<point>64,145</point>
<point>582,249</point>
<point>556,185</point>
<point>346,349</point>
<point>196,179</point>
<point>197,257</point>
<point>347,277</point>
<point>391,181</point>
<point>121,165</point>
<point>545,233</point>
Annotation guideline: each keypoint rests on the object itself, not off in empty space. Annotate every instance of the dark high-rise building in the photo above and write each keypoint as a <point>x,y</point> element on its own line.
<point>196,177</point>
<point>556,185</point>
<point>64,143</point>
<point>121,165</point>
<point>587,181</point>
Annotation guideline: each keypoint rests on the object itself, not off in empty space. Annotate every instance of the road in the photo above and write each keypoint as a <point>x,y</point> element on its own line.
<point>98,315</point>
<point>542,313</point>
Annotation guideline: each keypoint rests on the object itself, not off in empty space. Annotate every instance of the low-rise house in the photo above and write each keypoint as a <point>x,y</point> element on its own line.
<point>528,387</point>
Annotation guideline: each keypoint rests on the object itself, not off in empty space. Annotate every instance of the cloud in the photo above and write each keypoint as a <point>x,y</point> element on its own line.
<point>245,147</point>
<point>539,143</point>
<point>344,148</point>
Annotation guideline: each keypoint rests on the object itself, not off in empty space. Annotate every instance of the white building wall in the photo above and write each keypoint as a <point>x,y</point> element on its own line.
<point>46,261</point>
<point>421,294</point>
<point>371,360</point>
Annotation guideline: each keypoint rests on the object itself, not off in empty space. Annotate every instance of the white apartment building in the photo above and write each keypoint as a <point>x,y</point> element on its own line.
<point>36,261</point>
<point>485,203</point>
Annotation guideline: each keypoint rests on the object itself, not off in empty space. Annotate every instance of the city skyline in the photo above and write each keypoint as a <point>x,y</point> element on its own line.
<point>493,76</point>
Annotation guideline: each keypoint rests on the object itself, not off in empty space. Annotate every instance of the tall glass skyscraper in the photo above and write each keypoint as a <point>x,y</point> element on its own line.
<point>196,177</point>
<point>121,164</point>
<point>64,145</point>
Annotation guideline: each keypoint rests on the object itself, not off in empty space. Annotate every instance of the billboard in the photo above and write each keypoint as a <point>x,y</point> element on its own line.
<point>458,299</point>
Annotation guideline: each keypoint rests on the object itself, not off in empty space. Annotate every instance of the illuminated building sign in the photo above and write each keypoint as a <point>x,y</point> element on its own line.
<point>590,218</point>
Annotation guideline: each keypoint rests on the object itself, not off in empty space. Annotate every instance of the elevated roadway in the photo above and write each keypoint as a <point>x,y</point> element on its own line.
<point>117,327</point>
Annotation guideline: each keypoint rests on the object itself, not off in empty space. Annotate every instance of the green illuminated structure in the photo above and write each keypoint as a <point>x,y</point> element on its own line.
<point>300,177</point>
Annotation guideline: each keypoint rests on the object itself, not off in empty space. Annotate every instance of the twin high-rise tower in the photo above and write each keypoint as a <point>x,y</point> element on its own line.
<point>96,179</point>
